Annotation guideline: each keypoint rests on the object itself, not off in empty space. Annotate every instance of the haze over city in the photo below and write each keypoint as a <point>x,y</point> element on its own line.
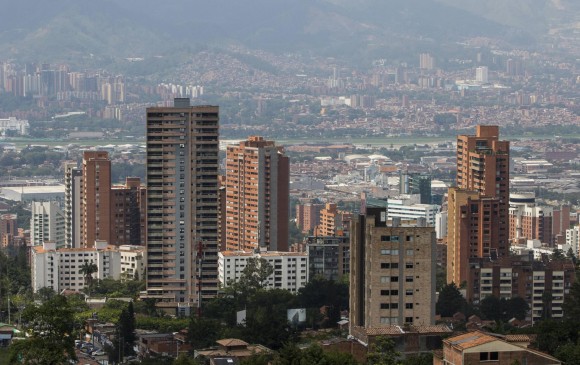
<point>274,182</point>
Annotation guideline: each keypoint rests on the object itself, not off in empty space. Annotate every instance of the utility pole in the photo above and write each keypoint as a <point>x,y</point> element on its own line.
<point>8,299</point>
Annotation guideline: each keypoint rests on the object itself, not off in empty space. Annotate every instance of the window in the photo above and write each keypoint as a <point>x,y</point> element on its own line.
<point>389,292</point>
<point>409,265</point>
<point>389,279</point>
<point>389,305</point>
<point>389,320</point>
<point>410,252</point>
<point>390,238</point>
<point>409,292</point>
<point>408,279</point>
<point>390,252</point>
<point>489,356</point>
<point>408,305</point>
<point>389,265</point>
<point>408,319</point>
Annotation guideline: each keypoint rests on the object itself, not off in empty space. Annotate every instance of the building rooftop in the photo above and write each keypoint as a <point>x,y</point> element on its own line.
<point>470,339</point>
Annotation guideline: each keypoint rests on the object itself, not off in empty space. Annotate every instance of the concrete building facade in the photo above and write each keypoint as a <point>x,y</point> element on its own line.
<point>524,277</point>
<point>328,256</point>
<point>59,269</point>
<point>47,223</point>
<point>72,204</point>
<point>392,273</point>
<point>290,268</point>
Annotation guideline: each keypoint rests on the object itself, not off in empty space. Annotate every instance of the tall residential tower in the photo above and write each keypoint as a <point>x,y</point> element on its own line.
<point>182,205</point>
<point>479,205</point>
<point>257,194</point>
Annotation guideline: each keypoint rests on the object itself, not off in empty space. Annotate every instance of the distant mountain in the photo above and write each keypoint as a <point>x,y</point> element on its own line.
<point>533,16</point>
<point>69,29</point>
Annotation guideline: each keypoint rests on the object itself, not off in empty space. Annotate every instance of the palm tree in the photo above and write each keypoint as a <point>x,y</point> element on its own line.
<point>88,269</point>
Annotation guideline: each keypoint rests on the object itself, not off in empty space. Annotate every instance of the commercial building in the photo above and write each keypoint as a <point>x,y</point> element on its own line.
<point>406,207</point>
<point>477,219</point>
<point>182,205</point>
<point>72,204</point>
<point>47,223</point>
<point>290,268</point>
<point>522,276</point>
<point>13,125</point>
<point>33,193</point>
<point>392,273</point>
<point>412,183</point>
<point>328,257</point>
<point>95,198</point>
<point>59,269</point>
<point>257,194</point>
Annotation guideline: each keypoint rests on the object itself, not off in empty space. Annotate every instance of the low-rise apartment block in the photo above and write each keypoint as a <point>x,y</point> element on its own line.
<point>60,268</point>
<point>522,276</point>
<point>290,268</point>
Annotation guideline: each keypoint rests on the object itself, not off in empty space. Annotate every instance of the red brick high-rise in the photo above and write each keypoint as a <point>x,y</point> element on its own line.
<point>95,198</point>
<point>257,194</point>
<point>129,213</point>
<point>478,207</point>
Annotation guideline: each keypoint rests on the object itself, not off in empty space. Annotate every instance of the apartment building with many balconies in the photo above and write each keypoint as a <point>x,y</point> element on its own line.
<point>182,205</point>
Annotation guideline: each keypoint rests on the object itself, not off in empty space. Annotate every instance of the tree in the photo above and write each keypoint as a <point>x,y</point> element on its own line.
<point>421,359</point>
<point>517,308</point>
<point>382,352</point>
<point>450,301</point>
<point>125,333</point>
<point>51,339</point>
<point>290,354</point>
<point>558,255</point>
<point>572,302</point>
<point>88,269</point>
<point>492,308</point>
<point>256,273</point>
<point>203,332</point>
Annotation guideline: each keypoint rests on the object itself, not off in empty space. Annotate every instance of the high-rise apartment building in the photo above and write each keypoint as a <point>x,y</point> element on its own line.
<point>47,223</point>
<point>528,221</point>
<point>182,205</point>
<point>481,74</point>
<point>257,194</point>
<point>128,213</point>
<point>72,204</point>
<point>426,61</point>
<point>333,222</point>
<point>478,207</point>
<point>308,216</point>
<point>95,198</point>
<point>392,273</point>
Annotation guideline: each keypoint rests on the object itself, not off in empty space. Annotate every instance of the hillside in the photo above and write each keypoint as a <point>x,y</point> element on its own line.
<point>72,29</point>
